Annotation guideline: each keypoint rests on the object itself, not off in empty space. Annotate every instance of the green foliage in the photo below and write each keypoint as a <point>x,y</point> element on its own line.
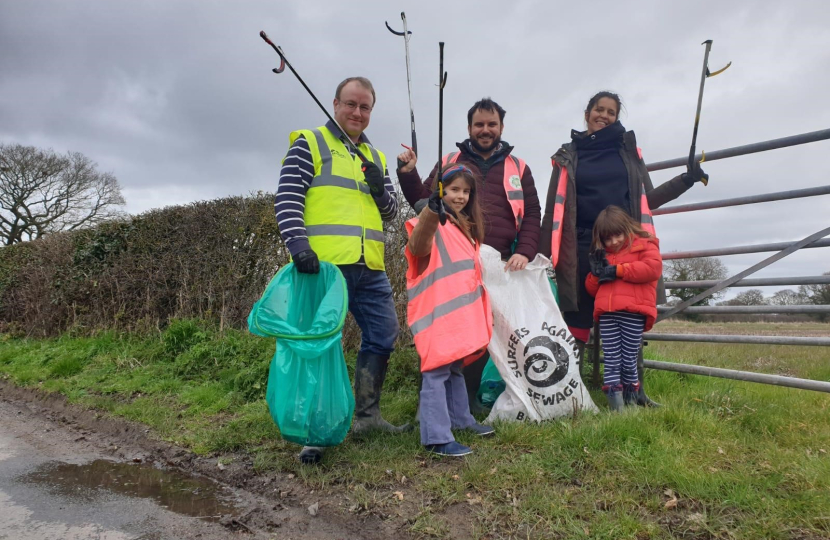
<point>183,334</point>
<point>720,459</point>
<point>99,247</point>
<point>66,367</point>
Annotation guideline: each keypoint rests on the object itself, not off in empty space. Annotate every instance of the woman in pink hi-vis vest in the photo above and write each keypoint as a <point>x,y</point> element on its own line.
<point>599,167</point>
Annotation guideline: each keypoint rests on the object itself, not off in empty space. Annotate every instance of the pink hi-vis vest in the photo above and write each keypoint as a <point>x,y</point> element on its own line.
<point>449,309</point>
<point>646,219</point>
<point>514,169</point>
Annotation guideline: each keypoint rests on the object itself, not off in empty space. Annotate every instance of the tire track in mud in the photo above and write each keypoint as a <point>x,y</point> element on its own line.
<point>268,505</point>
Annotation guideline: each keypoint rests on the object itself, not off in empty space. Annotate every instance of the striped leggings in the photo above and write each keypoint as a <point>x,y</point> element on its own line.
<point>621,334</point>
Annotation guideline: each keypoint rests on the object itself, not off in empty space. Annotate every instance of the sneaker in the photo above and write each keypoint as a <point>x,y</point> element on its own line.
<point>481,430</point>
<point>453,449</point>
<point>311,455</point>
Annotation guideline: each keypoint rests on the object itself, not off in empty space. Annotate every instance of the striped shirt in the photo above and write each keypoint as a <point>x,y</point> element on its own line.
<point>295,178</point>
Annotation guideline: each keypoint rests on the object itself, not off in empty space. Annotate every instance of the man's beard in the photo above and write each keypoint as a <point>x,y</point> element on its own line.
<point>478,148</point>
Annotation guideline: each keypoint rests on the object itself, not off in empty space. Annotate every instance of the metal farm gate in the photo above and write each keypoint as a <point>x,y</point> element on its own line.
<point>781,250</point>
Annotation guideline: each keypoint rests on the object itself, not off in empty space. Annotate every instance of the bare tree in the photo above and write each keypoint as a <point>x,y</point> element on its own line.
<point>42,192</point>
<point>751,297</point>
<point>694,270</point>
<point>818,295</point>
<point>787,297</point>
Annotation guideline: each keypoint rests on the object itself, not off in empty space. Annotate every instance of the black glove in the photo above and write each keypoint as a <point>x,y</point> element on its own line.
<point>374,177</point>
<point>432,202</point>
<point>435,202</point>
<point>419,206</point>
<point>307,262</point>
<point>694,174</point>
<point>597,261</point>
<point>608,273</point>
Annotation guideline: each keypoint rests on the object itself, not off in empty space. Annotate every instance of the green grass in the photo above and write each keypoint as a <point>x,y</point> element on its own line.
<point>721,459</point>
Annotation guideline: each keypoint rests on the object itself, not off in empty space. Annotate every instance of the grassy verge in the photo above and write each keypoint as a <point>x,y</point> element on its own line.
<point>721,459</point>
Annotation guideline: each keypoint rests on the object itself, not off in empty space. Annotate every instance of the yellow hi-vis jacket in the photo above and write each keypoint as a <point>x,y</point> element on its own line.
<point>342,220</point>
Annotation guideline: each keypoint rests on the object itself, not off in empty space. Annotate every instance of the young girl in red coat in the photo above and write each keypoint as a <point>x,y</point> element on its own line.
<point>448,310</point>
<point>625,266</point>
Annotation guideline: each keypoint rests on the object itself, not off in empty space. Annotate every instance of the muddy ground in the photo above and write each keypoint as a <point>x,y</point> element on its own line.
<point>61,440</point>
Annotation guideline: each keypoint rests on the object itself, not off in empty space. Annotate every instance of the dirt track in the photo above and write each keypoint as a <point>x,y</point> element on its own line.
<point>43,439</point>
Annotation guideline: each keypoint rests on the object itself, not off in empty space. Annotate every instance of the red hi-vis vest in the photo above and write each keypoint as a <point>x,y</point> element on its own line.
<point>514,169</point>
<point>449,309</point>
<point>646,219</point>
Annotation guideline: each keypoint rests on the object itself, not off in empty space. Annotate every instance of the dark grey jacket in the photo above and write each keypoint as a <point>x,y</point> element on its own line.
<point>567,279</point>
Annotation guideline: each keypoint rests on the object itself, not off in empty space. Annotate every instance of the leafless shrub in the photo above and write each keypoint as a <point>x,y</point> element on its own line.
<point>208,260</point>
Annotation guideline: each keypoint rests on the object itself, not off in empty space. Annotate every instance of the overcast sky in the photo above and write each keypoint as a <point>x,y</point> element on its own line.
<point>178,101</point>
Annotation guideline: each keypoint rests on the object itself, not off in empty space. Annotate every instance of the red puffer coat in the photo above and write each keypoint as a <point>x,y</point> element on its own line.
<point>639,266</point>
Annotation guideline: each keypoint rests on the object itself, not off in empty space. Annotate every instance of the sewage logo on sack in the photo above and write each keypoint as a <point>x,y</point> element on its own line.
<point>532,348</point>
<point>543,363</point>
<point>543,369</point>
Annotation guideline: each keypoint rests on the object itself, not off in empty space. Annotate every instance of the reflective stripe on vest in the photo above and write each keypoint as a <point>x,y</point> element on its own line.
<point>514,169</point>
<point>449,295</point>
<point>342,220</point>
<point>646,218</point>
<point>558,215</point>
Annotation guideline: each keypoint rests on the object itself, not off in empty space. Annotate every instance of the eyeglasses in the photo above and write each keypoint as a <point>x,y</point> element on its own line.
<point>351,105</point>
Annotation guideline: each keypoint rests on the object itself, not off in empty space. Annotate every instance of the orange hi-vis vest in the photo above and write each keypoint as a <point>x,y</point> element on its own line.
<point>646,219</point>
<point>514,169</point>
<point>449,309</point>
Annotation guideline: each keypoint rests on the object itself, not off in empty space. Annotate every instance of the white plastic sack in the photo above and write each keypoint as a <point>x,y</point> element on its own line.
<point>531,345</point>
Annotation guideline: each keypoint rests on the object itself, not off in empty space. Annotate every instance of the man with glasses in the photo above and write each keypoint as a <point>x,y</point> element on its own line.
<point>330,207</point>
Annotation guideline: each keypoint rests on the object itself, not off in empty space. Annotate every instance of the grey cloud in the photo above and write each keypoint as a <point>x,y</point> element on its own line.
<point>177,98</point>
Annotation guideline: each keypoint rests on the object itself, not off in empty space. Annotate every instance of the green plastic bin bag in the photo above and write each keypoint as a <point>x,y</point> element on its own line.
<point>491,384</point>
<point>309,393</point>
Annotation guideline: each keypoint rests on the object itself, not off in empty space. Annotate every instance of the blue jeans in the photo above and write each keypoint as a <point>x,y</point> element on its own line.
<point>373,308</point>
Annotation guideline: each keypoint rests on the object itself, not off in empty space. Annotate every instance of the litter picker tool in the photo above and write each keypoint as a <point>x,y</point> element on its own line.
<point>706,74</point>
<point>405,34</point>
<point>283,63</point>
<point>442,81</point>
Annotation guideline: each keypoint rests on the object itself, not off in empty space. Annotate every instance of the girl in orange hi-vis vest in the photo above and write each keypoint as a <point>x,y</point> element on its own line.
<point>625,266</point>
<point>448,310</point>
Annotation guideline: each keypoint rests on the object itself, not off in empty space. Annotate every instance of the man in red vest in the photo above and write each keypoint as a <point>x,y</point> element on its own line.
<point>508,198</point>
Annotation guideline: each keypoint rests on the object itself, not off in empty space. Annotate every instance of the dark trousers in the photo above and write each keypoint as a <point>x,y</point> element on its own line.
<point>584,318</point>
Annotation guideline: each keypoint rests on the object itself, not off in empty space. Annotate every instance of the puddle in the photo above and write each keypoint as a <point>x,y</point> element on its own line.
<point>174,491</point>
